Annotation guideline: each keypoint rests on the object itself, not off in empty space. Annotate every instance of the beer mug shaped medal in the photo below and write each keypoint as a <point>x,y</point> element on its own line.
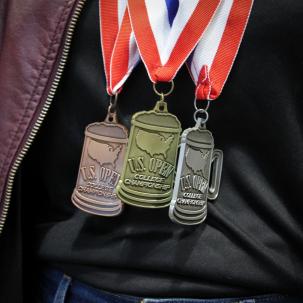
<point>149,167</point>
<point>101,163</point>
<point>198,175</point>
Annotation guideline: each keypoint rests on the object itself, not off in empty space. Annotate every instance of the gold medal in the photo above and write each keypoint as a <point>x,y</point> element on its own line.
<point>149,168</point>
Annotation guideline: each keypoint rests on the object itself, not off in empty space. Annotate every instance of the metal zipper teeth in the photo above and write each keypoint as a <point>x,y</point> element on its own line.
<point>37,125</point>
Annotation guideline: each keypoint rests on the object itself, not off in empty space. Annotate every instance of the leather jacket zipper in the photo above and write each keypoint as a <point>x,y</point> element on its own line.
<point>37,124</point>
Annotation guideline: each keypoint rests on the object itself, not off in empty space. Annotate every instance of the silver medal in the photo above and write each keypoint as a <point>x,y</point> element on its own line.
<point>198,175</point>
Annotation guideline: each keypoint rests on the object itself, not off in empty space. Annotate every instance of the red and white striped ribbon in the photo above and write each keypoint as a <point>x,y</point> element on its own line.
<point>119,50</point>
<point>164,48</point>
<point>213,57</point>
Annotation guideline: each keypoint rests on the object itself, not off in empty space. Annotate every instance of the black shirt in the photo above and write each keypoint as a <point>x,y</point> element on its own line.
<point>252,240</point>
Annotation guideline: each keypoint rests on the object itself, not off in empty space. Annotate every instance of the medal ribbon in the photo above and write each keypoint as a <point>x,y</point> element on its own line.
<point>119,50</point>
<point>165,46</point>
<point>213,57</point>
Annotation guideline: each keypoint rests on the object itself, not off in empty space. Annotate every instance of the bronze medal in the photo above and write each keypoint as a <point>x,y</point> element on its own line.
<point>101,163</point>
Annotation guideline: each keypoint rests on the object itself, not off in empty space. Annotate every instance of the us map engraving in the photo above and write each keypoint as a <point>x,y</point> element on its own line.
<point>103,153</point>
<point>196,160</point>
<point>99,174</point>
<point>194,183</point>
<point>150,169</point>
<point>153,143</point>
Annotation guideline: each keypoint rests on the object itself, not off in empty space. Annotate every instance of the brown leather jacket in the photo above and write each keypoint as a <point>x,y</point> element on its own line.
<point>32,50</point>
<point>34,41</point>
